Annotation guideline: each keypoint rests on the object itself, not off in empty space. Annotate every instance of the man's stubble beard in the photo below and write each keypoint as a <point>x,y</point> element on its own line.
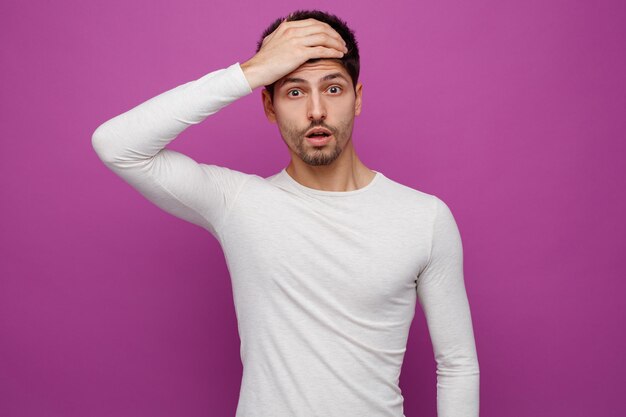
<point>312,155</point>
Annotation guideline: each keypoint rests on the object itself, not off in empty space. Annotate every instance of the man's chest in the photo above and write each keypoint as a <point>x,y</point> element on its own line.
<point>363,256</point>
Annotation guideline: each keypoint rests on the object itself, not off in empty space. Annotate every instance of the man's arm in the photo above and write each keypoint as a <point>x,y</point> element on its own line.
<point>441,293</point>
<point>132,145</point>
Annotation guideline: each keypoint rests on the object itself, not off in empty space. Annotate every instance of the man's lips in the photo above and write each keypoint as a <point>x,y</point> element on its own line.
<point>318,130</point>
<point>319,140</point>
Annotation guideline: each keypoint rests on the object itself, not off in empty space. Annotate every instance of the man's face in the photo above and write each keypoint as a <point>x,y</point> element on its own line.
<point>316,95</point>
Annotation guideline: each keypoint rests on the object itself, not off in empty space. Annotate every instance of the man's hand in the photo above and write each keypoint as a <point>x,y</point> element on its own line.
<point>289,46</point>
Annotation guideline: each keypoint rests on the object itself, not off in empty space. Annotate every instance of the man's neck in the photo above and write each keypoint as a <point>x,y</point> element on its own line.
<point>348,175</point>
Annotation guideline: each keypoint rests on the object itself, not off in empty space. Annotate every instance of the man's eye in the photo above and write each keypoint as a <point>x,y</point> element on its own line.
<point>293,91</point>
<point>334,89</point>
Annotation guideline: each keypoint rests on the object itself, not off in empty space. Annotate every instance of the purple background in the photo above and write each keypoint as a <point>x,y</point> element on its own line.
<point>511,112</point>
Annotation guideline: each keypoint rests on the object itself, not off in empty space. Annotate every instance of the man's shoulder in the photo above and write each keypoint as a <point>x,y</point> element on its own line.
<point>409,193</point>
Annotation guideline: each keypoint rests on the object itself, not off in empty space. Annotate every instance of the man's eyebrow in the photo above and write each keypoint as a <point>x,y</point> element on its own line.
<point>332,76</point>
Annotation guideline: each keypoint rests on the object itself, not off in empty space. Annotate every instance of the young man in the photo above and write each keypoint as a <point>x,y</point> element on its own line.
<point>327,257</point>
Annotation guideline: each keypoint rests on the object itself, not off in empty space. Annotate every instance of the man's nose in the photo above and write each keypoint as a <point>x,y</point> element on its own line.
<point>316,107</point>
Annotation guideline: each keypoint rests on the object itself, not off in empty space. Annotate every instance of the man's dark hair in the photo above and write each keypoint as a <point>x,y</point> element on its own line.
<point>350,60</point>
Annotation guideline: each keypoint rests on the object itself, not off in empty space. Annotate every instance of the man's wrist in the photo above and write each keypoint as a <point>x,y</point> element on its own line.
<point>250,72</point>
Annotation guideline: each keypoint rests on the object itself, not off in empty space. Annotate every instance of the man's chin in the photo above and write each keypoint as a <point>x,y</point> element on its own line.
<point>323,155</point>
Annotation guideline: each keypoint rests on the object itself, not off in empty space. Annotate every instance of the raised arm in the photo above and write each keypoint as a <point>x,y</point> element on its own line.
<point>441,293</point>
<point>132,145</point>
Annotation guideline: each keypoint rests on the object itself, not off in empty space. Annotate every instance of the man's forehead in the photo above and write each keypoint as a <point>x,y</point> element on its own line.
<point>313,71</point>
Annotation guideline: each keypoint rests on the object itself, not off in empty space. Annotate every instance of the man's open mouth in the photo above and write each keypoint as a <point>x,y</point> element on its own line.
<point>318,132</point>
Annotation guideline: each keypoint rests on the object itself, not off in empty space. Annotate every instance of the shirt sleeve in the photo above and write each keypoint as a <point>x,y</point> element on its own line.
<point>132,145</point>
<point>442,296</point>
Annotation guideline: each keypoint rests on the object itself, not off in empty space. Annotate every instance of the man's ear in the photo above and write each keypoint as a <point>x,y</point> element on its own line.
<point>268,106</point>
<point>357,101</point>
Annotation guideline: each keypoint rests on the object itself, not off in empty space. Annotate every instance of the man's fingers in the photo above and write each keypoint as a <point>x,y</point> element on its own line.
<point>316,30</point>
<point>284,25</point>
<point>310,26</point>
<point>301,23</point>
<point>323,39</point>
<point>323,52</point>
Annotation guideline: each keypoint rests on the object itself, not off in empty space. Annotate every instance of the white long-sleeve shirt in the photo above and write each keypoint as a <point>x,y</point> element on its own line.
<point>325,283</point>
